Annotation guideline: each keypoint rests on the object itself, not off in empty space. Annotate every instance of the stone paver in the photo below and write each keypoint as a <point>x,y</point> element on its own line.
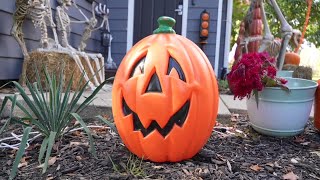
<point>233,104</point>
<point>223,110</point>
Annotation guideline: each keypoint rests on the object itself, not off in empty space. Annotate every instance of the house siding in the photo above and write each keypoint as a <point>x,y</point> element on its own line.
<point>118,26</point>
<point>222,58</point>
<point>193,26</point>
<point>11,57</point>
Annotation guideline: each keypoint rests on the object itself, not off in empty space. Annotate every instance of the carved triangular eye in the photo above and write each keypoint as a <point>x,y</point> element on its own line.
<point>173,64</point>
<point>138,68</point>
<point>154,84</point>
<point>125,108</point>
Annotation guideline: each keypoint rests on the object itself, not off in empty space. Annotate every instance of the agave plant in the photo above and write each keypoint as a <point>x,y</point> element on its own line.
<point>50,109</point>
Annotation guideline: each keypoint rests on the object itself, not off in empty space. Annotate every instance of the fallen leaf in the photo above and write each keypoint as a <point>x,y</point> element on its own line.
<point>234,117</point>
<point>220,157</point>
<point>158,167</point>
<point>277,165</point>
<point>229,166</point>
<point>79,144</point>
<point>256,167</point>
<point>105,116</point>
<point>50,178</point>
<point>299,139</point>
<point>51,161</point>
<point>293,160</point>
<point>197,171</point>
<point>22,164</point>
<point>31,147</point>
<point>75,122</point>
<point>316,152</point>
<point>76,133</point>
<point>186,172</point>
<point>270,164</point>
<point>11,156</point>
<point>58,168</point>
<point>79,158</point>
<point>13,153</point>
<point>290,176</point>
<point>305,143</point>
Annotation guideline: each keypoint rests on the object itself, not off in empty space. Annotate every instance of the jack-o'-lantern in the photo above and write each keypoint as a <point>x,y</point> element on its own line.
<point>165,96</point>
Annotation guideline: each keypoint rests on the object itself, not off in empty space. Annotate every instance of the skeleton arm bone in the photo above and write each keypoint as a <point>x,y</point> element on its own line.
<point>286,30</point>
<point>267,37</point>
<point>75,5</point>
<point>102,23</point>
<point>79,22</point>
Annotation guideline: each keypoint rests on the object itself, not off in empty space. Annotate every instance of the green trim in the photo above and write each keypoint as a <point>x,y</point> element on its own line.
<point>165,25</point>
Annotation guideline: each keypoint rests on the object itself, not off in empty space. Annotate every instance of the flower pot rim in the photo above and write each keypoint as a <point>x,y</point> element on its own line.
<point>315,84</point>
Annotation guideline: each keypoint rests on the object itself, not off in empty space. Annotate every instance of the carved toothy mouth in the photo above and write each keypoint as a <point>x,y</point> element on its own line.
<point>178,118</point>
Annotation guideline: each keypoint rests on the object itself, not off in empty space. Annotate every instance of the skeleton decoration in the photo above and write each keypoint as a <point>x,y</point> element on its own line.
<point>63,26</point>
<point>18,18</point>
<point>103,11</point>
<point>265,41</point>
<point>91,26</point>
<point>41,16</point>
<point>39,11</point>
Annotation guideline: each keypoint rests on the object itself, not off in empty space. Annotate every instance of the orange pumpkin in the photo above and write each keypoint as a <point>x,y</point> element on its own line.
<point>317,108</point>
<point>292,58</point>
<point>165,97</point>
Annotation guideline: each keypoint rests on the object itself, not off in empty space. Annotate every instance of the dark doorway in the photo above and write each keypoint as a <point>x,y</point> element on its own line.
<point>146,13</point>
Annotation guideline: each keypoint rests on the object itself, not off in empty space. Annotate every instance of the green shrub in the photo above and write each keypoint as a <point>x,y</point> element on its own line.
<point>50,110</point>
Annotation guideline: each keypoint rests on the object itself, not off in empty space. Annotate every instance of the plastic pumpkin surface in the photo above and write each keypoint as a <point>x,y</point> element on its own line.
<point>165,96</point>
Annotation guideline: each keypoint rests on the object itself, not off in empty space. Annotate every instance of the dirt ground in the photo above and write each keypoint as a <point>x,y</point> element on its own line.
<point>236,152</point>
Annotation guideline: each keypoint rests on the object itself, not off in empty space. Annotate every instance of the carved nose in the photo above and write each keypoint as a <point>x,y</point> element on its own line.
<point>154,84</point>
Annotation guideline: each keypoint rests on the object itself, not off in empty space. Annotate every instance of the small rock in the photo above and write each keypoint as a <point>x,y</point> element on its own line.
<point>189,164</point>
<point>217,161</point>
<point>6,110</point>
<point>105,162</point>
<point>269,169</point>
<point>294,161</point>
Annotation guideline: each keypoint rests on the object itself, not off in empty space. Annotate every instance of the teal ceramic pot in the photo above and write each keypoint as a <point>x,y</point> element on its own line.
<point>284,73</point>
<point>280,113</point>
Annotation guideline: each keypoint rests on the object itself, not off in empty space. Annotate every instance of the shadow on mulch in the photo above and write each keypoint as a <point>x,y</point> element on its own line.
<point>231,153</point>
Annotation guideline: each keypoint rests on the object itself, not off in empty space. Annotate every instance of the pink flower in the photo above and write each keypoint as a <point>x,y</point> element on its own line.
<point>283,81</point>
<point>254,71</point>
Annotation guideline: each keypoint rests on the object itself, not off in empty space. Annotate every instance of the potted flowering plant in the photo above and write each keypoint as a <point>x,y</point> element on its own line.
<point>252,73</point>
<point>279,106</point>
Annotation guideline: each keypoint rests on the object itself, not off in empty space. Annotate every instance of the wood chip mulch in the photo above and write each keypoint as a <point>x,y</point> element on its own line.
<point>235,152</point>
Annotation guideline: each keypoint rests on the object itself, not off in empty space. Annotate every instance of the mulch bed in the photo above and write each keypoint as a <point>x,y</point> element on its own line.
<point>237,152</point>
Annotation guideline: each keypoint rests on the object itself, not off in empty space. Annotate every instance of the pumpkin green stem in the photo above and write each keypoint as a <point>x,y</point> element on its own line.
<point>165,25</point>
